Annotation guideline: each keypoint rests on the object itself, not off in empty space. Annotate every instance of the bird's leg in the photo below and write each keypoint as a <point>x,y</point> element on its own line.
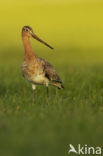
<point>47,90</point>
<point>34,89</point>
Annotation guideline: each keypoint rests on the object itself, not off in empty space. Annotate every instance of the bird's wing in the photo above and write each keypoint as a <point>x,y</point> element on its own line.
<point>50,72</point>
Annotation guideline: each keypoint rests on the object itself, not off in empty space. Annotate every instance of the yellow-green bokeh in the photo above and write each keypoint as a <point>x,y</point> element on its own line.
<point>73,28</point>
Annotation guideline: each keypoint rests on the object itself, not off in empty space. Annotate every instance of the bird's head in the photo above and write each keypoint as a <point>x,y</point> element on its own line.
<point>28,31</point>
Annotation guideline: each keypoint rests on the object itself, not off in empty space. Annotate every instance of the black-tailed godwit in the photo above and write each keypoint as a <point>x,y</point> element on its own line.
<point>35,69</point>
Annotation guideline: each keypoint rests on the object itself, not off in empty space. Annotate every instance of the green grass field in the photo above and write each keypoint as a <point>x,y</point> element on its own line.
<point>35,126</point>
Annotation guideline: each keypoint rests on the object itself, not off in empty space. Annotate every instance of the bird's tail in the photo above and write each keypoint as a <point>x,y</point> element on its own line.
<point>60,86</point>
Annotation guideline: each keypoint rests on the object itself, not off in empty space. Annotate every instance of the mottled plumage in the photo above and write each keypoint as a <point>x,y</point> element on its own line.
<point>51,74</point>
<point>35,69</point>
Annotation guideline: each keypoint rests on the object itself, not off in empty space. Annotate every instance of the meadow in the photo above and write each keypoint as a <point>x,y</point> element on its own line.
<point>36,126</point>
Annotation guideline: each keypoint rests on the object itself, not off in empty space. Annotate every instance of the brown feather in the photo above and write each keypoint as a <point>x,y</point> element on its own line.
<point>51,74</point>
<point>35,69</point>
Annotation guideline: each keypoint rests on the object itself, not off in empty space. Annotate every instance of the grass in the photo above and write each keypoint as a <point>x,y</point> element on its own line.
<point>38,126</point>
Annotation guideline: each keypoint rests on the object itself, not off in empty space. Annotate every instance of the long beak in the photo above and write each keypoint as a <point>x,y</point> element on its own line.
<point>38,39</point>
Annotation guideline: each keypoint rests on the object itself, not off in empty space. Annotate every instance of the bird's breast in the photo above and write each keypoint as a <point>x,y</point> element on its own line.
<point>34,73</point>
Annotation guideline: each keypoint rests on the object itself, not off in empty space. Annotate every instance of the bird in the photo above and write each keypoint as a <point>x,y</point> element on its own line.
<point>37,70</point>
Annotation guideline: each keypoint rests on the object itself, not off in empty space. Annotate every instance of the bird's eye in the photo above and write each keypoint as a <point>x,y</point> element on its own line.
<point>26,30</point>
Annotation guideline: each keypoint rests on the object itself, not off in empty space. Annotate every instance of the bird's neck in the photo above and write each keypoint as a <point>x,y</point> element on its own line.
<point>29,54</point>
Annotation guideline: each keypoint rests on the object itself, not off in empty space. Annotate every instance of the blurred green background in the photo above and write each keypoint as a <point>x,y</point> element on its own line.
<point>35,126</point>
<point>74,28</point>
